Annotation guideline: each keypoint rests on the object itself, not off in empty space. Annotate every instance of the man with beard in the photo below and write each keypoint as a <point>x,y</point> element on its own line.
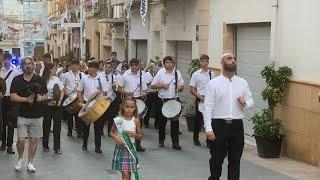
<point>30,91</point>
<point>226,96</point>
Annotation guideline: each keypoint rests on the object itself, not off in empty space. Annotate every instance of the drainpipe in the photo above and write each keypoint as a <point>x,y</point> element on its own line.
<point>273,35</point>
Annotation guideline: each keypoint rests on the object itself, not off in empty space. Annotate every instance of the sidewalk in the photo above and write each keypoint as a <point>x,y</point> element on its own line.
<point>283,165</point>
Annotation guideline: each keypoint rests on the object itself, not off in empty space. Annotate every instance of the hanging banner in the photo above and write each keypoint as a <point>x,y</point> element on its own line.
<point>144,11</point>
<point>128,7</point>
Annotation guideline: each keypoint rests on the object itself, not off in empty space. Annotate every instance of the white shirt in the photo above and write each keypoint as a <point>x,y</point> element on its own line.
<point>4,73</point>
<point>108,79</point>
<point>89,85</point>
<point>200,79</point>
<point>149,78</point>
<point>131,82</point>
<point>52,81</point>
<point>221,102</point>
<point>71,81</point>
<point>164,77</point>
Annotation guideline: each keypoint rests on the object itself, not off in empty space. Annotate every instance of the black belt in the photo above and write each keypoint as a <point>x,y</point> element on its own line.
<point>227,121</point>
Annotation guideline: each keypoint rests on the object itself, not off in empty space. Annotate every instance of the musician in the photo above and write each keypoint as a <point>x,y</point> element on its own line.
<point>133,83</point>
<point>39,66</point>
<point>169,82</point>
<point>116,64</point>
<point>152,96</point>
<point>70,81</point>
<point>53,109</point>
<point>30,91</point>
<point>9,108</point>
<point>89,88</point>
<point>83,67</point>
<point>198,83</point>
<point>109,78</point>
<point>226,96</point>
<point>2,92</point>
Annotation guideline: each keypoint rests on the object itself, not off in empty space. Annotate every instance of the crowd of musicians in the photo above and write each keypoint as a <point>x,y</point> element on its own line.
<point>34,99</point>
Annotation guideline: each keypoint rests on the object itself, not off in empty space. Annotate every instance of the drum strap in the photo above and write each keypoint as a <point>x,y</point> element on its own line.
<point>118,121</point>
<point>80,75</point>
<point>8,75</point>
<point>140,82</point>
<point>100,85</point>
<point>176,83</point>
<point>210,74</point>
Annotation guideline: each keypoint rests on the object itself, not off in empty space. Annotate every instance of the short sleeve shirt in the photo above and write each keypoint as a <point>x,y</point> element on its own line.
<point>26,88</point>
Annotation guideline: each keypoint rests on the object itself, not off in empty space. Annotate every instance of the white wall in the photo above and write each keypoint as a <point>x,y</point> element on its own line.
<point>298,38</point>
<point>233,12</point>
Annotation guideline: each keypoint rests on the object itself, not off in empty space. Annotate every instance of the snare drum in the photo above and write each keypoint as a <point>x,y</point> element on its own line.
<point>71,103</point>
<point>172,110</point>
<point>201,107</point>
<point>142,108</point>
<point>94,109</point>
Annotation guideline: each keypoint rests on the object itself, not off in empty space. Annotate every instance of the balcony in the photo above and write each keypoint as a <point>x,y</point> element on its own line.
<point>9,40</point>
<point>117,2</point>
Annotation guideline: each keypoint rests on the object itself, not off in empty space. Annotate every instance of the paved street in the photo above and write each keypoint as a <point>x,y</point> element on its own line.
<point>163,164</point>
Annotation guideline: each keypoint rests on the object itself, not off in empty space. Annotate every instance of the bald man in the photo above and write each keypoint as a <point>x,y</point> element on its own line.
<point>223,118</point>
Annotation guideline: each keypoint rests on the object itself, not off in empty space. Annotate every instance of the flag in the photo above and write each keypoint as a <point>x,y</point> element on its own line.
<point>128,5</point>
<point>144,11</point>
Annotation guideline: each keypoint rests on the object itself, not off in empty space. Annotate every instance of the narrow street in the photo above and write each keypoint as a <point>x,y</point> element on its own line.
<point>159,164</point>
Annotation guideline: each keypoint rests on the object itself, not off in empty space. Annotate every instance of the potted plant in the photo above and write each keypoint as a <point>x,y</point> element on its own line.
<point>267,128</point>
<point>190,115</point>
<point>194,66</point>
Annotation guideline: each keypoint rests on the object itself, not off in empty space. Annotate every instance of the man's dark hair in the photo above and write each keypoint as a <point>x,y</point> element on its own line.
<point>167,58</point>
<point>7,55</point>
<point>108,62</point>
<point>47,56</point>
<point>75,62</point>
<point>113,52</point>
<point>134,61</point>
<point>204,56</point>
<point>93,65</point>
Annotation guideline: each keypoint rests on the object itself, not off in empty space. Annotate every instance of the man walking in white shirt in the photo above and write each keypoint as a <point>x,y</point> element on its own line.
<point>226,97</point>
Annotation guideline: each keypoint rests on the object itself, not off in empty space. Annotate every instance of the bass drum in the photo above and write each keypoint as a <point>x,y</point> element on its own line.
<point>71,103</point>
<point>94,109</point>
<point>172,110</point>
<point>141,108</point>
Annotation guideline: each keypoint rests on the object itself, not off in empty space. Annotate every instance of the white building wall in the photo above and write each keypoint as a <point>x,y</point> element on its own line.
<point>298,37</point>
<point>233,12</point>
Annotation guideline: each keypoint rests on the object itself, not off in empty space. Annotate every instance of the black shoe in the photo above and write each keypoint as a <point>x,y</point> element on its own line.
<point>45,149</point>
<point>176,146</point>
<point>10,151</point>
<point>98,150</point>
<point>58,151</point>
<point>3,147</point>
<point>161,144</point>
<point>69,133</point>
<point>84,148</point>
<point>196,142</point>
<point>140,148</point>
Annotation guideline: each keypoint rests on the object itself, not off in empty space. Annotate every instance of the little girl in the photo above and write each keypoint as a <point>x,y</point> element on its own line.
<point>126,125</point>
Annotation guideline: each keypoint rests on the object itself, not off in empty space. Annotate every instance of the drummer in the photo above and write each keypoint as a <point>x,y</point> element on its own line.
<point>198,82</point>
<point>133,83</point>
<point>168,80</point>
<point>109,78</point>
<point>70,81</point>
<point>89,88</point>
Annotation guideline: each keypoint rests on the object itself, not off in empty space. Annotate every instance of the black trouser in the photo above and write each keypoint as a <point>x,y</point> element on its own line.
<point>229,141</point>
<point>1,118</point>
<point>198,121</point>
<point>163,123</point>
<point>9,115</point>
<point>98,127</point>
<point>52,113</point>
<point>78,124</point>
<point>151,102</point>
